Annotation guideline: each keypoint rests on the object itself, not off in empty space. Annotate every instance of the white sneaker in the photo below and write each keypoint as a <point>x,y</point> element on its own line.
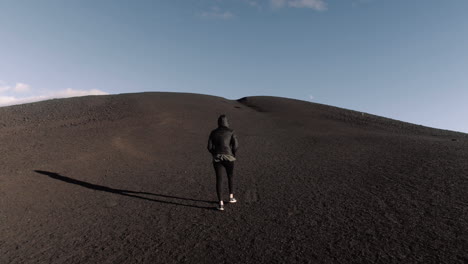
<point>220,207</point>
<point>232,200</point>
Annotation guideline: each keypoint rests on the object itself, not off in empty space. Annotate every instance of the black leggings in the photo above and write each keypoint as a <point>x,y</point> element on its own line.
<point>218,166</point>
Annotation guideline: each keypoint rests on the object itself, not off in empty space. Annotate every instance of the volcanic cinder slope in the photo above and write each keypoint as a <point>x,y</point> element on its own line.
<point>128,179</point>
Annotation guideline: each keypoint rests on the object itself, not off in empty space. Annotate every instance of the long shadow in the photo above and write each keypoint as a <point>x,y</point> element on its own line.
<point>128,193</point>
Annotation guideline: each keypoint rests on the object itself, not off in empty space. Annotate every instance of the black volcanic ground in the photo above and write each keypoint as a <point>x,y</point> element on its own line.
<point>127,179</point>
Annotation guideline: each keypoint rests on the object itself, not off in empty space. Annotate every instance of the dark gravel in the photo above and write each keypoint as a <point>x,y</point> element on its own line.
<point>127,179</point>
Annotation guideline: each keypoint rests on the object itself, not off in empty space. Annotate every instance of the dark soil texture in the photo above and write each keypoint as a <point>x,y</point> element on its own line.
<point>128,179</point>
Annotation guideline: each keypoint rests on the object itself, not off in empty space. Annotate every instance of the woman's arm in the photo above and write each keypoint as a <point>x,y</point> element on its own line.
<point>210,145</point>
<point>234,143</point>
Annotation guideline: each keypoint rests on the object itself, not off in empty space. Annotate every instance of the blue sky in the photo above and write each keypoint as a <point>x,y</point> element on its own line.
<point>402,59</point>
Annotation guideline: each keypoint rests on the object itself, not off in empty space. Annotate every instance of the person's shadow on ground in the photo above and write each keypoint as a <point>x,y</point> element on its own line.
<point>128,193</point>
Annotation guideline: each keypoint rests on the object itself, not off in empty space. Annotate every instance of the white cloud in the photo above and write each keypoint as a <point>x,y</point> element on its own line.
<point>217,13</point>
<point>21,87</point>
<point>12,100</point>
<point>4,88</point>
<point>7,100</point>
<point>72,93</point>
<point>318,5</point>
<point>253,3</point>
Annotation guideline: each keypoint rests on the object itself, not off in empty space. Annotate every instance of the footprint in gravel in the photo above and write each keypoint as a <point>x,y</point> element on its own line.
<point>111,203</point>
<point>251,196</point>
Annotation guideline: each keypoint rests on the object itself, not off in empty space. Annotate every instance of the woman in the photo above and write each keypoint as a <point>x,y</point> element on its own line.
<point>223,145</point>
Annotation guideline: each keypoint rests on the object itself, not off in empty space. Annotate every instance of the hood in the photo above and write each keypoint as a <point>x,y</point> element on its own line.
<point>222,121</point>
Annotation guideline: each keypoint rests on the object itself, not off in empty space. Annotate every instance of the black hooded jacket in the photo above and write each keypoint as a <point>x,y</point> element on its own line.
<point>222,140</point>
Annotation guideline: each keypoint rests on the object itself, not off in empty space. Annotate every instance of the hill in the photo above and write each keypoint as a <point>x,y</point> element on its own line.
<point>127,179</point>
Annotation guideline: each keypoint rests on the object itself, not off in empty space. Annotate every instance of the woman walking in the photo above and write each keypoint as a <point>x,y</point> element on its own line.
<point>223,145</point>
